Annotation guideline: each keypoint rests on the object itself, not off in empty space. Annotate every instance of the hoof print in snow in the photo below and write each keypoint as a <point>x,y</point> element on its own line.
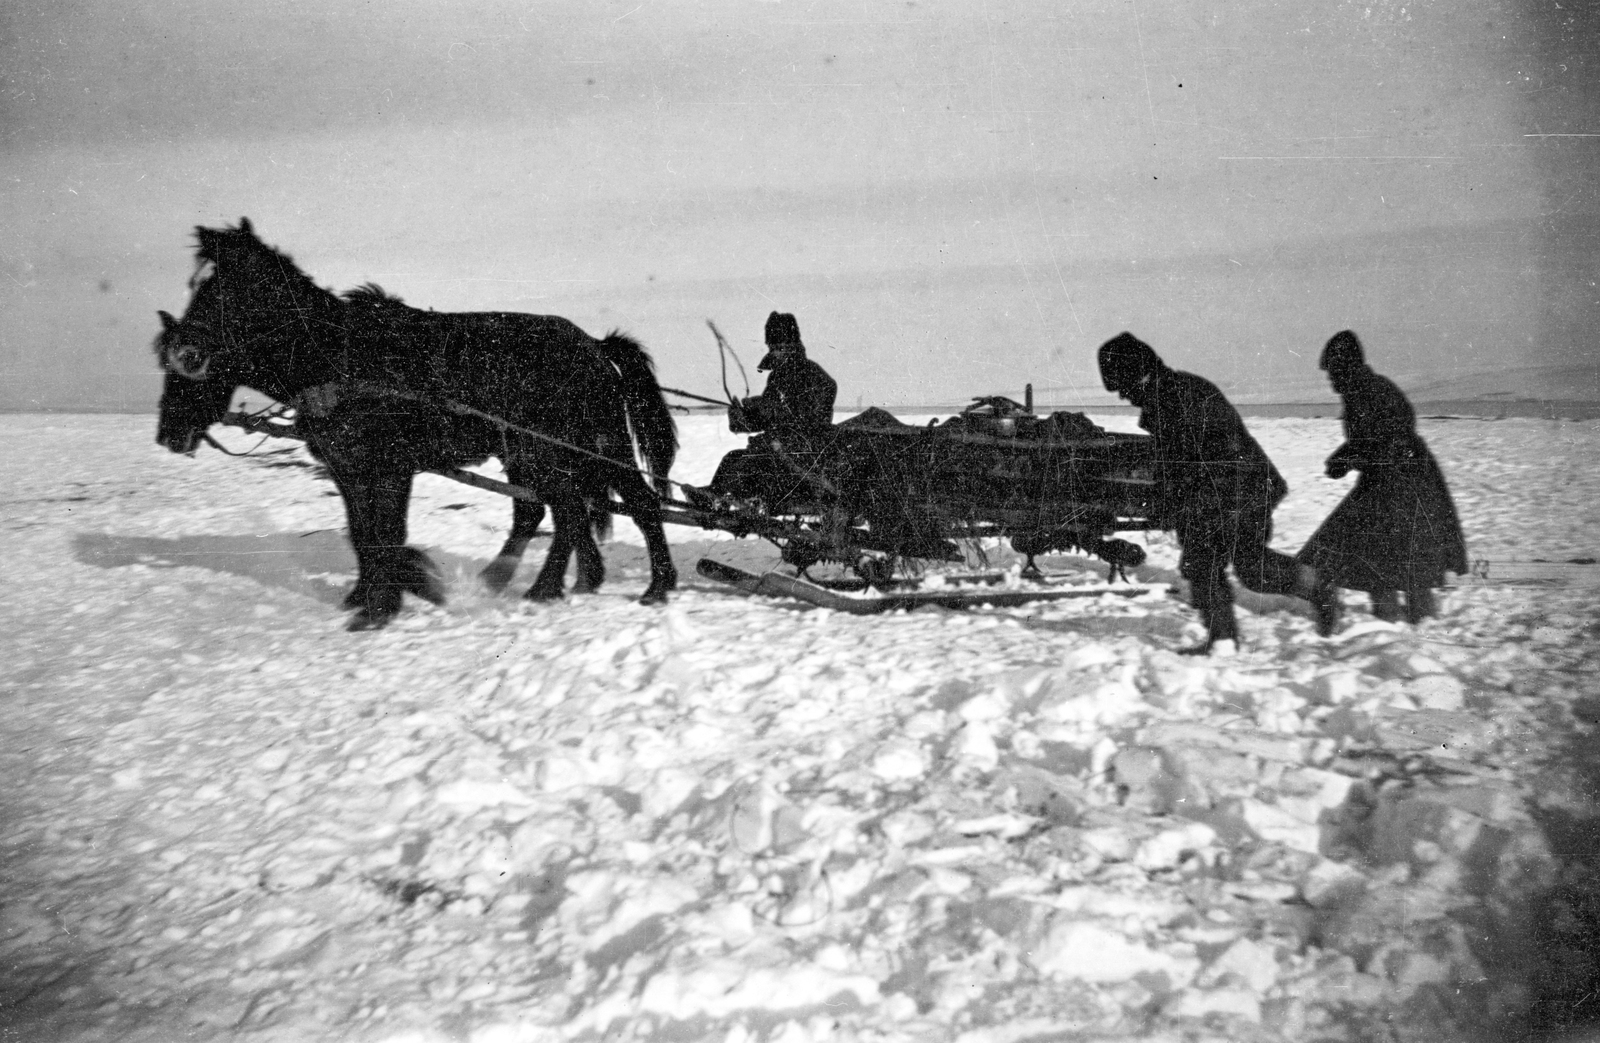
<point>411,892</point>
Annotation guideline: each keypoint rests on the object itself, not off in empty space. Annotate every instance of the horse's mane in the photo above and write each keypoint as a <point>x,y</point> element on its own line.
<point>234,240</point>
<point>371,293</point>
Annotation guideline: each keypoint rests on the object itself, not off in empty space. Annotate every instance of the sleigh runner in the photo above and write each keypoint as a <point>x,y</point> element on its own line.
<point>993,589</point>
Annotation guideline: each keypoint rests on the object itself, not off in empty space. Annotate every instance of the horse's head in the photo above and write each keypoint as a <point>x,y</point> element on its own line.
<point>253,317</point>
<point>227,299</point>
<point>192,397</point>
<point>254,320</point>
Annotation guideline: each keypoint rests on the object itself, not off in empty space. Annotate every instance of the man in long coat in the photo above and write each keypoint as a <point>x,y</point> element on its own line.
<point>1397,531</point>
<point>1216,489</point>
<point>795,411</point>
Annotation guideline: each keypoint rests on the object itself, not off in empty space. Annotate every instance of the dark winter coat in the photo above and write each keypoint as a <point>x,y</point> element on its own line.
<point>1397,529</point>
<point>798,399</point>
<point>1207,463</point>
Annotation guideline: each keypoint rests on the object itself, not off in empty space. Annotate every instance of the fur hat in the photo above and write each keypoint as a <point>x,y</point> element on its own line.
<point>1343,351</point>
<point>1125,360</point>
<point>782,329</point>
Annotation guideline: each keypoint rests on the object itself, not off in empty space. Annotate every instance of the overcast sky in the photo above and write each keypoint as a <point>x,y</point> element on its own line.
<point>954,198</point>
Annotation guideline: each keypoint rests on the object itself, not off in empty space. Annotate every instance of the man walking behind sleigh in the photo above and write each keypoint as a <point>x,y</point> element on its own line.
<point>1216,490</point>
<point>1397,532</point>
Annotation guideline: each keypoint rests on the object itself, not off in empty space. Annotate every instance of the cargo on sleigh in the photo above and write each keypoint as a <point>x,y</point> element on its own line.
<point>879,496</point>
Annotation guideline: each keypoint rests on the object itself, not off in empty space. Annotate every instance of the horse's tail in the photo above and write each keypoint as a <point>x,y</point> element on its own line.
<point>655,432</point>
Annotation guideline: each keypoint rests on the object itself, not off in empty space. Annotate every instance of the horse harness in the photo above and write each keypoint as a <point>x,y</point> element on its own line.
<point>320,400</point>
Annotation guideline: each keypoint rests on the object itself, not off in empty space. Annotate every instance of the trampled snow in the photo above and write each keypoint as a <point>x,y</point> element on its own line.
<point>736,818</point>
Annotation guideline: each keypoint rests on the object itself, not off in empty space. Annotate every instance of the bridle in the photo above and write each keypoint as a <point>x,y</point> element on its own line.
<point>186,361</point>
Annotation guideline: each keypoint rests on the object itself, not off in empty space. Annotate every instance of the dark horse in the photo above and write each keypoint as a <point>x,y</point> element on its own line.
<point>383,391</point>
<point>187,406</point>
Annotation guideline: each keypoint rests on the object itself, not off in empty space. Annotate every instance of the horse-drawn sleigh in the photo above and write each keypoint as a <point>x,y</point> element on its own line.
<point>380,391</point>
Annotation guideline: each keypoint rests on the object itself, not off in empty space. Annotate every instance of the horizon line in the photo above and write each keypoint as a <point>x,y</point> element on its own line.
<point>1491,402</point>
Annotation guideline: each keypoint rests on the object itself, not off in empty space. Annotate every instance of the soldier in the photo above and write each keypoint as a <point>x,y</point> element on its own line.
<point>795,411</point>
<point>1216,489</point>
<point>1397,531</point>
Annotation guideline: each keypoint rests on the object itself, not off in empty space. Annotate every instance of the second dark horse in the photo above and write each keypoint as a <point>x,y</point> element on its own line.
<point>384,391</point>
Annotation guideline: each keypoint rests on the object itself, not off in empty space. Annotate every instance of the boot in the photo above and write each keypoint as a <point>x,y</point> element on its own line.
<point>699,497</point>
<point>1217,647</point>
<point>1324,599</point>
<point>1222,630</point>
<point>1386,605</point>
<point>1419,605</point>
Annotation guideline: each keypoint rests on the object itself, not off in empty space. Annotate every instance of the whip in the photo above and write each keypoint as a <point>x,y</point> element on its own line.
<point>724,349</point>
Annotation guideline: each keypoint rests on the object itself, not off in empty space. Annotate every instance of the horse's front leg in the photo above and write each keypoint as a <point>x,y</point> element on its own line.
<point>357,528</point>
<point>389,568</point>
<point>525,518</point>
<point>570,520</point>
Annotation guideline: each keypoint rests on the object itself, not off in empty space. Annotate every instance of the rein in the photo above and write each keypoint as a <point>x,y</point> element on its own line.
<point>254,422</point>
<point>325,396</point>
<point>213,443</point>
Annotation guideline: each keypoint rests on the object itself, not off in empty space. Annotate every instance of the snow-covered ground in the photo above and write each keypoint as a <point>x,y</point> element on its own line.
<point>734,819</point>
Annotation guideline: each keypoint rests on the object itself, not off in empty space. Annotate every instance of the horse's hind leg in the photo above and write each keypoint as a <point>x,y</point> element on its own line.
<point>525,518</point>
<point>422,576</point>
<point>591,566</point>
<point>645,507</point>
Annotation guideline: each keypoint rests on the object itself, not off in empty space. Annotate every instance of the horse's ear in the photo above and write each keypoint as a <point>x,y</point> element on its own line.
<point>244,226</point>
<point>168,323</point>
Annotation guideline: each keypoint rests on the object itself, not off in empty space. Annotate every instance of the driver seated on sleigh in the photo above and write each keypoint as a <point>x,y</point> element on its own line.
<point>790,421</point>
